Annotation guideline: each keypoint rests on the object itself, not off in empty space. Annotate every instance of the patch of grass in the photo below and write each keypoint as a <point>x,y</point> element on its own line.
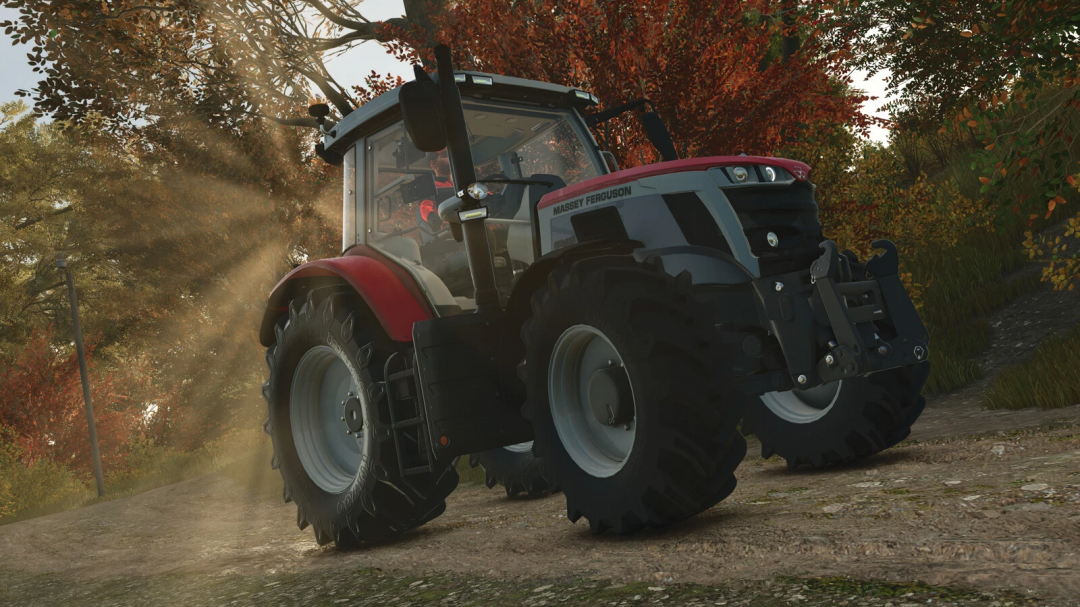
<point>1049,380</point>
<point>246,458</point>
<point>967,283</point>
<point>467,474</point>
<point>22,487</point>
<point>839,586</point>
<point>330,585</point>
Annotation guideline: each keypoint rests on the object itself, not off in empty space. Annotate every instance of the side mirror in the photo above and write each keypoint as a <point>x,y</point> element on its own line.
<point>658,134</point>
<point>421,111</point>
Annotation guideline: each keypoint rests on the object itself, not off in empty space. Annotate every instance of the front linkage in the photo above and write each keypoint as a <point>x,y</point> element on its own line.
<point>799,305</point>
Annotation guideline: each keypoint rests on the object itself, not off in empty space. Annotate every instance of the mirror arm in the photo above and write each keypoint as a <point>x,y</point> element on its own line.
<point>474,233</point>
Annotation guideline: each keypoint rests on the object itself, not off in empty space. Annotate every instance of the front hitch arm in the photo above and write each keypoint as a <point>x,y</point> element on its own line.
<point>847,308</point>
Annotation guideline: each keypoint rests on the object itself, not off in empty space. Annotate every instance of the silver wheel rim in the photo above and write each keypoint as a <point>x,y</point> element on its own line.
<point>803,406</point>
<point>321,383</point>
<point>525,447</point>
<point>599,450</point>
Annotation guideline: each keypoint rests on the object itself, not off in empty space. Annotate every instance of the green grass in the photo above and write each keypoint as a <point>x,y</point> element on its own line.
<point>48,488</point>
<point>967,282</point>
<point>56,489</point>
<point>1049,380</point>
<point>467,474</point>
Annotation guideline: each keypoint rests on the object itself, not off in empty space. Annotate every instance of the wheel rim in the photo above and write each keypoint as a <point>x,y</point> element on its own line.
<point>803,406</point>
<point>321,383</point>
<point>525,447</point>
<point>598,449</point>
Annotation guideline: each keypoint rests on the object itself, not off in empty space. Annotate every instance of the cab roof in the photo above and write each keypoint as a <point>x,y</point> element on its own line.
<point>383,110</point>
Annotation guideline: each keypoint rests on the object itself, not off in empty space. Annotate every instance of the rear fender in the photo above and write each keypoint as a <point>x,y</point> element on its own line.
<point>390,293</point>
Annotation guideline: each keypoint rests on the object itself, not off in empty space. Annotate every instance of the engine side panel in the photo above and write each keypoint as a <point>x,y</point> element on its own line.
<point>673,212</point>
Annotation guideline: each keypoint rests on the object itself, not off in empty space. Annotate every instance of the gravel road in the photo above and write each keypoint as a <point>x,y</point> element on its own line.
<point>962,520</point>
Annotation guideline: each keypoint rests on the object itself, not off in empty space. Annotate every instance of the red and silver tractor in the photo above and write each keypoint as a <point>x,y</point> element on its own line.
<point>505,290</point>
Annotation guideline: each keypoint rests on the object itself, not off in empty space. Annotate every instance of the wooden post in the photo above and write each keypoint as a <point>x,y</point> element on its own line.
<point>61,264</point>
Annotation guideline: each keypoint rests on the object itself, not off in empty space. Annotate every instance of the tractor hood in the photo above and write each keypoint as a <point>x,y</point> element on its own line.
<point>794,170</point>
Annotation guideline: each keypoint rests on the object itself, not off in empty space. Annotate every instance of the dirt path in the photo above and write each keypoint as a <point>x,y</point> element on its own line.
<point>991,514</point>
<point>1018,328</point>
<point>999,512</point>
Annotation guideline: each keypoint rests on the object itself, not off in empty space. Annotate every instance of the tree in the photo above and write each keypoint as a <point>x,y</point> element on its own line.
<point>130,61</point>
<point>1004,74</point>
<point>1007,70</point>
<point>719,73</point>
<point>43,405</point>
<point>175,243</point>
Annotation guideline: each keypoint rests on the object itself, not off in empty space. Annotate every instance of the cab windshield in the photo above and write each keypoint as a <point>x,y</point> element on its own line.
<point>545,146</point>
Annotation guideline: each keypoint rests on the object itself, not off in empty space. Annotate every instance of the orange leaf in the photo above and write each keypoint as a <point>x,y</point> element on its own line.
<point>1003,172</point>
<point>972,123</point>
<point>1050,207</point>
<point>1031,217</point>
<point>985,180</point>
<point>1071,180</point>
<point>1058,199</point>
<point>966,33</point>
<point>1023,161</point>
<point>991,146</point>
<point>975,29</point>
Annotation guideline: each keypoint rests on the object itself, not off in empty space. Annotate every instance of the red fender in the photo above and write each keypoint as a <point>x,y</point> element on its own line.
<point>388,290</point>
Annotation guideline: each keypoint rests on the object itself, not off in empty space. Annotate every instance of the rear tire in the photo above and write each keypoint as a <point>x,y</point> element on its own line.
<point>866,415</point>
<point>516,469</point>
<point>353,492</point>
<point>677,455</point>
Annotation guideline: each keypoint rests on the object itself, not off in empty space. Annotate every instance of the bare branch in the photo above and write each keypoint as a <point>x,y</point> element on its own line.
<point>30,222</point>
<point>338,19</point>
<point>336,97</point>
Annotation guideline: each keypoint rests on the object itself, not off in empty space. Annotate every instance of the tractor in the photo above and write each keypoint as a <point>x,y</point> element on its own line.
<point>507,291</point>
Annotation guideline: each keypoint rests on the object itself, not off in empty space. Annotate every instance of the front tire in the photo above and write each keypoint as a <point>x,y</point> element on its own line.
<point>671,449</point>
<point>839,423</point>
<point>327,364</point>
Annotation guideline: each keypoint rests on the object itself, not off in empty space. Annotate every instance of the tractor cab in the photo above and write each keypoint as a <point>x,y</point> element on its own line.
<point>527,139</point>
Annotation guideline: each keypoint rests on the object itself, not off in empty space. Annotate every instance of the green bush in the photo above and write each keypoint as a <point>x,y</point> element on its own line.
<point>23,487</point>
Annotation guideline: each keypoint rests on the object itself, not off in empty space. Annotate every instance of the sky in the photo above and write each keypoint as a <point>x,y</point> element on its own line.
<point>351,67</point>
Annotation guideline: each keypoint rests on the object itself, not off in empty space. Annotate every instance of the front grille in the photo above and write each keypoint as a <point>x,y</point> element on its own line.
<point>789,211</point>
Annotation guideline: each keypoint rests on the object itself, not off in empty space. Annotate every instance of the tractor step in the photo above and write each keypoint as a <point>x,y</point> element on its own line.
<point>468,405</point>
<point>407,424</point>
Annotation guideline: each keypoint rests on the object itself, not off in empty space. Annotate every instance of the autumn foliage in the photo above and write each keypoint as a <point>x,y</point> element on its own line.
<point>713,69</point>
<point>43,405</point>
